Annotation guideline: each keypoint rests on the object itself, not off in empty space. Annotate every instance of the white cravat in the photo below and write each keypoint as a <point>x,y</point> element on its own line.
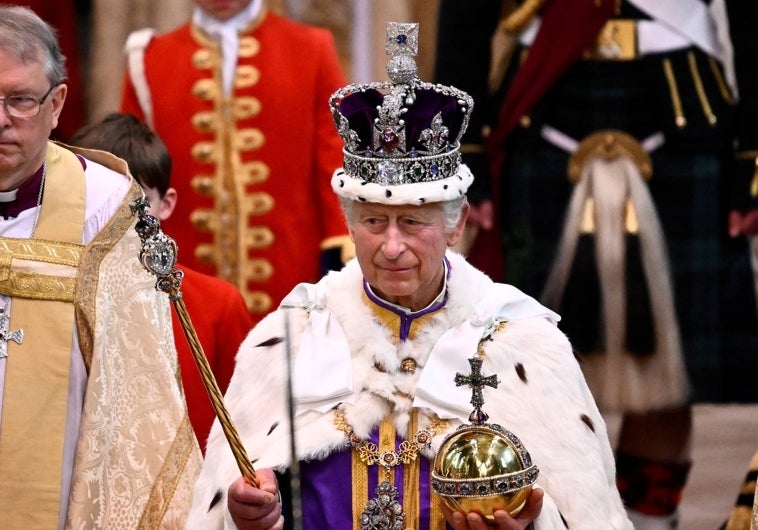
<point>323,374</point>
<point>226,32</point>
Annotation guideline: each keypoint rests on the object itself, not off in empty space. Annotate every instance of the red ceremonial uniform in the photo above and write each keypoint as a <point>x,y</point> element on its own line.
<point>253,170</point>
<point>221,321</point>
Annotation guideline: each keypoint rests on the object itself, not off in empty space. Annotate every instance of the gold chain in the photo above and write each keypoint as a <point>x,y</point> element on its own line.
<point>369,452</point>
<point>39,198</point>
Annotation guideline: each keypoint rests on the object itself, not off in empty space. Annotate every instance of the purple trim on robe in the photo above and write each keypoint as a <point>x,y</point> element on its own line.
<point>326,486</point>
<point>406,319</point>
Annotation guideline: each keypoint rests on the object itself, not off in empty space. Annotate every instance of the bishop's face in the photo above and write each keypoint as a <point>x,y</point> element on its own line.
<point>401,250</point>
<point>23,141</point>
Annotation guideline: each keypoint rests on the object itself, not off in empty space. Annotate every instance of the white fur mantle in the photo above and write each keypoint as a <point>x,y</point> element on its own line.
<point>542,398</point>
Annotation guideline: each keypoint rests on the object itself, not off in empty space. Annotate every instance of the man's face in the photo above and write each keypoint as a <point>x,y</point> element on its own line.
<point>222,9</point>
<point>23,141</point>
<point>400,250</point>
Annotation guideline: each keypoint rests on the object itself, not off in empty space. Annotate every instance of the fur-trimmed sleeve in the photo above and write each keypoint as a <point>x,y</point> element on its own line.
<point>256,401</point>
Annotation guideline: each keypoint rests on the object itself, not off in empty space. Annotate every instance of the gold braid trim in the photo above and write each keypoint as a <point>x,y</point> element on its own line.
<point>411,475</point>
<point>746,155</point>
<point>39,270</point>
<point>436,515</point>
<point>89,271</point>
<point>676,101</point>
<point>170,476</point>
<point>42,250</point>
<point>720,81</point>
<point>360,488</point>
<point>700,90</point>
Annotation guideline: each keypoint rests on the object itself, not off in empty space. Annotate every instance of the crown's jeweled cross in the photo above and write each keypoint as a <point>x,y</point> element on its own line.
<point>16,336</point>
<point>402,46</point>
<point>477,382</point>
<point>402,38</point>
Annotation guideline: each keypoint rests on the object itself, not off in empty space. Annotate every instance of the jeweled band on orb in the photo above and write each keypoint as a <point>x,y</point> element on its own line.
<point>488,486</point>
<point>485,486</point>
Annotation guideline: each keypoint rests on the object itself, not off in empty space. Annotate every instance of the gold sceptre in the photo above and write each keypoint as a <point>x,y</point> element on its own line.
<point>158,256</point>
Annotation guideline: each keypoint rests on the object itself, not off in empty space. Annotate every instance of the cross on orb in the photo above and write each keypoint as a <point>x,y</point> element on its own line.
<point>477,382</point>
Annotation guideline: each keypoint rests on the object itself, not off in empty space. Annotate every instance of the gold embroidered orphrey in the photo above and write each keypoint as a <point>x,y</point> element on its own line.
<point>16,336</point>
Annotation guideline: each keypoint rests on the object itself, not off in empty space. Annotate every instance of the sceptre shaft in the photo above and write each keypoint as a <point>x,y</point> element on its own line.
<point>158,256</point>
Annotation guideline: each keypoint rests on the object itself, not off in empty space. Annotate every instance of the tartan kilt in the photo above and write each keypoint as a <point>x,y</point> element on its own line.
<point>712,281</point>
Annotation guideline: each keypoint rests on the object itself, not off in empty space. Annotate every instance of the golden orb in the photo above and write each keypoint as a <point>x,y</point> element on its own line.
<point>482,468</point>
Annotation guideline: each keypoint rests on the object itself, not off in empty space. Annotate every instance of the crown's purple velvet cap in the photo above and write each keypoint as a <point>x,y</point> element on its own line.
<point>361,108</point>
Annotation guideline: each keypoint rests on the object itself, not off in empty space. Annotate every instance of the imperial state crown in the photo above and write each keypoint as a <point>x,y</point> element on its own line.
<point>401,137</point>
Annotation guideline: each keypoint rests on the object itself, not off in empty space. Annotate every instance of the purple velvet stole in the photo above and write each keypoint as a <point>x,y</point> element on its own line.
<point>326,489</point>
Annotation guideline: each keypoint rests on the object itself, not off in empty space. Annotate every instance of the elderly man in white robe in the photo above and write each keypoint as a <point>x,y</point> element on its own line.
<point>378,348</point>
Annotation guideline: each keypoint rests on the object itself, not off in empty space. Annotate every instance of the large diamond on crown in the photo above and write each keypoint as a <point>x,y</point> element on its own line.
<point>389,173</point>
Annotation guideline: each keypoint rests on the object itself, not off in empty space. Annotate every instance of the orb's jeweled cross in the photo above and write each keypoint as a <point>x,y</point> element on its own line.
<point>477,382</point>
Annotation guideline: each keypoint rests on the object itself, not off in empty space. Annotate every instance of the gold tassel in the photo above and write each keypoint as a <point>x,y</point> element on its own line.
<point>679,119</point>
<point>700,90</point>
